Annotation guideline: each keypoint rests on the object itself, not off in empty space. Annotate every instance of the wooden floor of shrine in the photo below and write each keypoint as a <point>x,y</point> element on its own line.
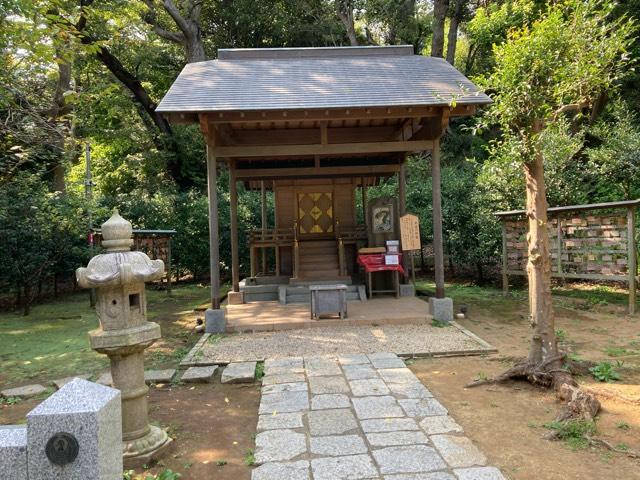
<point>273,316</point>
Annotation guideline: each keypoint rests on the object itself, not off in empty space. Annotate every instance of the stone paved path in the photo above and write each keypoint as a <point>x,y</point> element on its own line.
<point>358,417</point>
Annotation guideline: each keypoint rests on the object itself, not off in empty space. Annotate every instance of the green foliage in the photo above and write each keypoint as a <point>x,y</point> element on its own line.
<point>604,372</point>
<point>166,474</point>
<point>575,432</point>
<point>259,371</point>
<point>249,458</point>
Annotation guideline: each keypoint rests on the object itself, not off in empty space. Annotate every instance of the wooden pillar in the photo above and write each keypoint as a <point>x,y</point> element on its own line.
<point>263,212</point>
<point>438,252</point>
<point>402,206</point>
<point>233,200</point>
<point>505,259</point>
<point>631,260</point>
<point>214,252</point>
<point>364,202</point>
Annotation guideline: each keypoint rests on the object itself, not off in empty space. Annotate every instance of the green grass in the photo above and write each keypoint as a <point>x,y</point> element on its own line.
<point>574,432</point>
<point>52,342</point>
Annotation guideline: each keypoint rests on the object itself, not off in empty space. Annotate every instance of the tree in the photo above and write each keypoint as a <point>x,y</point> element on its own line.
<point>345,14</point>
<point>452,38</point>
<point>186,17</point>
<point>547,74</point>
<point>440,8</point>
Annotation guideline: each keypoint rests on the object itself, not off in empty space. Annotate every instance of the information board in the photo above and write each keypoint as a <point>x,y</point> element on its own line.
<point>410,232</point>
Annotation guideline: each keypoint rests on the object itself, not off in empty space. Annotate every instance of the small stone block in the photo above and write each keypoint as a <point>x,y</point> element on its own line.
<point>23,392</point>
<point>321,366</point>
<point>422,407</point>
<point>283,378</point>
<point>13,452</point>
<point>284,402</point>
<point>285,387</point>
<point>458,451</point>
<point>410,459</point>
<point>279,421</point>
<point>159,376</point>
<point>335,446</point>
<point>282,471</point>
<point>359,372</point>
<point>278,445</point>
<point>89,412</point>
<point>215,320</point>
<point>376,407</point>
<point>368,387</point>
<point>398,375</point>
<point>61,382</point>
<point>235,298</point>
<point>421,476</point>
<point>331,422</point>
<point>320,385</point>
<point>389,425</point>
<point>382,361</point>
<point>409,390</point>
<point>440,424</point>
<point>277,366</point>
<point>407,290</point>
<point>199,374</point>
<point>354,359</point>
<point>352,467</point>
<point>239,372</point>
<point>441,309</point>
<point>330,401</point>
<point>479,473</point>
<point>390,439</point>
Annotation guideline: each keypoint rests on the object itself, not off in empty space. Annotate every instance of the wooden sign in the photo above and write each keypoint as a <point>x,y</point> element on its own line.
<point>410,232</point>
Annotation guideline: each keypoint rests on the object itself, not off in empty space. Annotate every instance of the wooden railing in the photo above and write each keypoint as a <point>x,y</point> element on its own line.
<point>273,236</point>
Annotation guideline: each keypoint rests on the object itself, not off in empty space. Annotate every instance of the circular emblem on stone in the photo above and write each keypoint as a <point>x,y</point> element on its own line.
<point>62,448</point>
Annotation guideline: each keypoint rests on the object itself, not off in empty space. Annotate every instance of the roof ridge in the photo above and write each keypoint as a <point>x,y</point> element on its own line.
<point>312,52</point>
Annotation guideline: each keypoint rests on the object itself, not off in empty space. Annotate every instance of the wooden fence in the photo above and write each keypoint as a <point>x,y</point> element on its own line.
<point>591,242</point>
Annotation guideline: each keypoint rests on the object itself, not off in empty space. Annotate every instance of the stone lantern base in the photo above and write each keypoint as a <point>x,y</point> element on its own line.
<point>152,446</point>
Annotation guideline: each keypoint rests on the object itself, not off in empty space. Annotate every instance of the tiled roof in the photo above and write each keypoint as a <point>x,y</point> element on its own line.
<point>311,78</point>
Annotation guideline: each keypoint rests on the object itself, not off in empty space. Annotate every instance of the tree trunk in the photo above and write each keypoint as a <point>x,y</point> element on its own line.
<point>345,13</point>
<point>452,39</point>
<point>543,344</point>
<point>58,110</point>
<point>26,300</point>
<point>440,8</point>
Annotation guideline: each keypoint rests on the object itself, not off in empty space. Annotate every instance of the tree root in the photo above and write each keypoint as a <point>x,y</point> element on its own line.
<point>599,442</point>
<point>579,403</point>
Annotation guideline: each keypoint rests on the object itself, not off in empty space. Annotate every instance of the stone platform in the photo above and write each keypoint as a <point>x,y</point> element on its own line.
<point>358,417</point>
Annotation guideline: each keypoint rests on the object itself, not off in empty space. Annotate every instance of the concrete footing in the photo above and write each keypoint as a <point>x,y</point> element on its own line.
<point>215,320</point>
<point>441,309</point>
<point>235,298</point>
<point>407,290</point>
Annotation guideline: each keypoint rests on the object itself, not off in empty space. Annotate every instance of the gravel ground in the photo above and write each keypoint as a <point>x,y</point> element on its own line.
<point>400,339</point>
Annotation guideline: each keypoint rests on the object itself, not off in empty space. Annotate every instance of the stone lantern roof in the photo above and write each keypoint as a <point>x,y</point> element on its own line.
<point>119,265</point>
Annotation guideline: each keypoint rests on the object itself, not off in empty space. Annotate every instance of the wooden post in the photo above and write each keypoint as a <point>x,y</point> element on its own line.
<point>631,261</point>
<point>263,205</point>
<point>364,202</point>
<point>233,200</point>
<point>169,261</point>
<point>559,248</point>
<point>402,205</point>
<point>505,260</point>
<point>214,252</point>
<point>438,253</point>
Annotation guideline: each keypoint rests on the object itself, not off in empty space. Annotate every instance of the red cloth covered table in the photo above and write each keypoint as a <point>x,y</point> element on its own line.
<point>374,262</point>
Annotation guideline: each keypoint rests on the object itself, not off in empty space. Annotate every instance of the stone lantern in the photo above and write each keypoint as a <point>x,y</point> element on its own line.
<point>119,276</point>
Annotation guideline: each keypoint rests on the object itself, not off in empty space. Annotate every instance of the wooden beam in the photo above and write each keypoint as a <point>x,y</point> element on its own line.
<point>347,171</point>
<point>330,114</point>
<point>409,128</point>
<point>319,149</point>
<point>309,136</point>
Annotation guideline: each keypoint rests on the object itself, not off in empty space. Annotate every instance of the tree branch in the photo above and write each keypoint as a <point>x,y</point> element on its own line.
<point>151,18</point>
<point>571,108</point>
